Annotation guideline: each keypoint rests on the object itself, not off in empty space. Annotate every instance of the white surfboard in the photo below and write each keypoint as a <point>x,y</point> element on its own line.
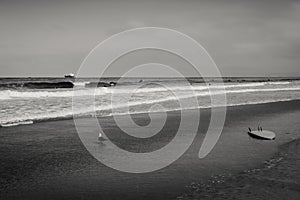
<point>263,135</point>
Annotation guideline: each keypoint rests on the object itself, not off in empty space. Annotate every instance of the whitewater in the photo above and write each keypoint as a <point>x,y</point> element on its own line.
<point>26,106</point>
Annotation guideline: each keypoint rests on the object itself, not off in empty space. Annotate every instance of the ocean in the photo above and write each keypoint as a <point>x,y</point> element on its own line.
<point>27,105</point>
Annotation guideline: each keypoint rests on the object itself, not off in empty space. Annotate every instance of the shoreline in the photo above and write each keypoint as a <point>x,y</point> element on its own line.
<point>47,159</point>
<point>89,114</point>
<point>272,178</point>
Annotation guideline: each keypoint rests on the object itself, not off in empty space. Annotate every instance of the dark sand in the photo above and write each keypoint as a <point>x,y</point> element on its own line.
<point>48,161</point>
<point>277,178</point>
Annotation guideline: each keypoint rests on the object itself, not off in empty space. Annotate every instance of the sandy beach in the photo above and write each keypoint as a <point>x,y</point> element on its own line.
<point>276,178</point>
<point>47,160</point>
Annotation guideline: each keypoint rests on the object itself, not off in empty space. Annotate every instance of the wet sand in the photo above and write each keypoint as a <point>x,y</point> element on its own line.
<point>48,161</point>
<point>277,178</point>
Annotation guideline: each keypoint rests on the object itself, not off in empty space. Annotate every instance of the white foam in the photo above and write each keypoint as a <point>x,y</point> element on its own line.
<point>9,124</point>
<point>168,87</point>
<point>80,84</point>
<point>58,112</point>
<point>10,94</point>
<point>279,83</point>
<point>191,108</point>
<point>91,110</point>
<point>79,91</point>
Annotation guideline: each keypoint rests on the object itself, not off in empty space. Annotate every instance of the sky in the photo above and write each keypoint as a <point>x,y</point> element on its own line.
<point>244,38</point>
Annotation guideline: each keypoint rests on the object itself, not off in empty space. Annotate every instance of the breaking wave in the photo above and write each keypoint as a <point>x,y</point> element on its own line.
<point>79,91</point>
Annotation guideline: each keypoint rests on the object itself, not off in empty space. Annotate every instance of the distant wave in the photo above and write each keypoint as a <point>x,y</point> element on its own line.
<point>167,87</point>
<point>9,94</point>
<point>81,84</point>
<point>16,123</point>
<point>278,83</point>
<point>251,90</point>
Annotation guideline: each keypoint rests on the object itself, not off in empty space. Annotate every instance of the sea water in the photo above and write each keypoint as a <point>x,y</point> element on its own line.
<point>19,105</point>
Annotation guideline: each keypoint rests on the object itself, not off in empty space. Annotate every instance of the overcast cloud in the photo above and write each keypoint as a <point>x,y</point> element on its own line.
<point>245,38</point>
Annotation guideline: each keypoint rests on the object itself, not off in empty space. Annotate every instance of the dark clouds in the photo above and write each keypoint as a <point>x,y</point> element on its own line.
<point>245,38</point>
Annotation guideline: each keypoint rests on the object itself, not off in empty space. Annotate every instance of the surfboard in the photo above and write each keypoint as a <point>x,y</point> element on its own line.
<point>262,135</point>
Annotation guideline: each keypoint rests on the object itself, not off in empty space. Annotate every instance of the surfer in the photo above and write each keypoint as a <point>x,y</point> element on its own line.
<point>249,129</point>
